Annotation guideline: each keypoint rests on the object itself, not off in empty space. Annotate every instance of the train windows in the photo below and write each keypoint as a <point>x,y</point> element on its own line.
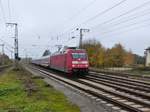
<point>79,55</point>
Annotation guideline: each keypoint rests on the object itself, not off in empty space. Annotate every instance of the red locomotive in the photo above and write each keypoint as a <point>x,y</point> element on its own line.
<point>69,60</point>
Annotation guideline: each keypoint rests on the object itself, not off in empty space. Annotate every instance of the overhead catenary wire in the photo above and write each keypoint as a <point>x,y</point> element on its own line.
<point>124,31</point>
<point>94,17</point>
<point>129,18</point>
<point>2,10</point>
<point>82,10</point>
<point>79,13</point>
<point>9,10</point>
<point>132,17</point>
<point>7,43</point>
<point>126,26</point>
<point>117,17</point>
<point>104,12</point>
<point>123,14</point>
<point>8,47</point>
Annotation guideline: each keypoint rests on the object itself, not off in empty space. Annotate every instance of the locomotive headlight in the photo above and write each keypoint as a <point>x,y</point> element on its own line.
<point>84,62</point>
<point>79,62</point>
<point>86,65</point>
<point>75,62</point>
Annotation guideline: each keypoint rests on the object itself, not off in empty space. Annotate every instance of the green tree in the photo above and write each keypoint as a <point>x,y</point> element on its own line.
<point>99,56</point>
<point>96,52</point>
<point>117,54</point>
<point>129,58</point>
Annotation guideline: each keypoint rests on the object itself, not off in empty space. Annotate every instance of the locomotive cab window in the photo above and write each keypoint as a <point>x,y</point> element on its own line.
<point>79,55</point>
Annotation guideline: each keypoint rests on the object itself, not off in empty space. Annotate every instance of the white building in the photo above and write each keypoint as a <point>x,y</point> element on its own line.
<point>147,57</point>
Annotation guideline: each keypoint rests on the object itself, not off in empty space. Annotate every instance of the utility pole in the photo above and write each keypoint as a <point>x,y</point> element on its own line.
<point>11,54</point>
<point>81,35</point>
<point>3,58</point>
<point>16,53</point>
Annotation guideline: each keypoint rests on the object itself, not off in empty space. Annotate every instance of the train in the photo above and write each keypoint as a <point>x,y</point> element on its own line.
<point>70,60</point>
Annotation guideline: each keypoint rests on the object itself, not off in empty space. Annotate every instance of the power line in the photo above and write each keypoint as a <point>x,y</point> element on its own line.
<point>9,10</point>
<point>7,44</point>
<point>9,49</point>
<point>105,11</point>
<point>3,12</point>
<point>99,14</point>
<point>130,18</point>
<point>131,29</point>
<point>126,26</point>
<point>82,10</point>
<point>78,13</point>
<point>126,13</point>
<point>135,23</point>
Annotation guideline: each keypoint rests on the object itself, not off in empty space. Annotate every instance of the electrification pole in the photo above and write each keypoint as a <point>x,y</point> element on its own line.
<point>81,36</point>
<point>11,54</point>
<point>16,53</point>
<point>3,58</point>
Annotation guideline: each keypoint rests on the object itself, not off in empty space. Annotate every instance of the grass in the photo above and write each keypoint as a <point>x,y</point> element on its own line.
<point>20,92</point>
<point>139,72</point>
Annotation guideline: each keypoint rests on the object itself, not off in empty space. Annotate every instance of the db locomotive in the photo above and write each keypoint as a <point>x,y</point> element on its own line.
<point>70,60</point>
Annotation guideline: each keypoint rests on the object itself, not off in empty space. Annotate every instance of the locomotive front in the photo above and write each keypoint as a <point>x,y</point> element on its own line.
<point>79,62</point>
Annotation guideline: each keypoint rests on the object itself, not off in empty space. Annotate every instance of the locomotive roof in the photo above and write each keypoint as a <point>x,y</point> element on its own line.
<point>67,50</point>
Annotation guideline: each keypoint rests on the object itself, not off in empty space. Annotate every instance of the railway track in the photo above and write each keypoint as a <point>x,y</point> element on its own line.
<point>140,83</point>
<point>122,74</point>
<point>134,99</point>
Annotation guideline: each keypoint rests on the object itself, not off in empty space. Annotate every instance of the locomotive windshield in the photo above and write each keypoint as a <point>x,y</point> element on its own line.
<point>79,55</point>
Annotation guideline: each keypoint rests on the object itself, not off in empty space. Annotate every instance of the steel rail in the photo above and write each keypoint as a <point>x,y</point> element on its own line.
<point>122,77</point>
<point>90,90</point>
<point>146,90</point>
<point>119,79</point>
<point>116,93</point>
<point>123,89</point>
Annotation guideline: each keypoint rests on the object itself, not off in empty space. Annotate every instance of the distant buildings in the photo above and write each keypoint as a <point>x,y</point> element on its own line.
<point>147,57</point>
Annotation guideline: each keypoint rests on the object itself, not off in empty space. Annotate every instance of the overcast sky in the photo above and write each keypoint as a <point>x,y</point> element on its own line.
<point>43,24</point>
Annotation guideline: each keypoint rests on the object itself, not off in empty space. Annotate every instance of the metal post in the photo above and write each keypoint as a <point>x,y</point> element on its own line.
<point>11,54</point>
<point>16,54</point>
<point>81,36</point>
<point>16,42</point>
<point>3,53</point>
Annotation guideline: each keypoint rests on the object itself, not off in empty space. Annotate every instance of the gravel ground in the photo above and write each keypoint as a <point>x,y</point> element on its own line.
<point>85,103</point>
